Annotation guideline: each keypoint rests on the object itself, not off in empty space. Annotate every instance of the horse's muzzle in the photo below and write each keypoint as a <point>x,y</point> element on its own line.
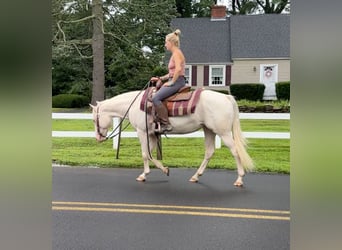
<point>100,138</point>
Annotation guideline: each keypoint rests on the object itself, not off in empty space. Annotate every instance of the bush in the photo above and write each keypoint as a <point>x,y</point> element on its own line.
<point>82,88</point>
<point>70,101</point>
<point>283,90</point>
<point>248,91</point>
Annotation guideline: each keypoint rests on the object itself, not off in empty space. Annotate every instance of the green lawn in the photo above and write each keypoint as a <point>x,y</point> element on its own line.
<point>269,155</point>
<point>246,125</point>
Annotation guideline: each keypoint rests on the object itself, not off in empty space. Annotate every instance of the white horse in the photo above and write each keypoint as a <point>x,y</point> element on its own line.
<point>215,113</point>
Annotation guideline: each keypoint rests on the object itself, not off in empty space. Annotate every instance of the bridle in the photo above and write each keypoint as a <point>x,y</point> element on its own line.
<point>112,135</point>
<point>98,123</point>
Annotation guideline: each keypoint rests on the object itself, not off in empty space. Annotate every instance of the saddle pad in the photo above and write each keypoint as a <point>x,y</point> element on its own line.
<point>176,107</point>
<point>184,106</point>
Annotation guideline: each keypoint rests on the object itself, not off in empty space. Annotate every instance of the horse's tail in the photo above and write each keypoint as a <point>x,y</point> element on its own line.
<point>239,139</point>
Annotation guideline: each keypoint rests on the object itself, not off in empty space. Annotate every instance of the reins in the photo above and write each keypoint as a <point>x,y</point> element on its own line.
<point>112,134</point>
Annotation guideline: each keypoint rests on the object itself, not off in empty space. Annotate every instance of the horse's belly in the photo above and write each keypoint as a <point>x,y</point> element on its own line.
<point>184,125</point>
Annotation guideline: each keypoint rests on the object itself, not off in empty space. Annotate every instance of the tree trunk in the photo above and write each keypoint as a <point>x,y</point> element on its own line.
<point>98,53</point>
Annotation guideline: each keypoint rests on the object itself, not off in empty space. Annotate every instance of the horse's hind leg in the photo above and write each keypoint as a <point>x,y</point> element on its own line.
<point>209,151</point>
<point>153,145</point>
<point>229,142</point>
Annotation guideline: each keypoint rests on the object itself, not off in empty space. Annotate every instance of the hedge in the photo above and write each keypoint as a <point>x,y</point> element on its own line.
<point>70,101</point>
<point>248,91</point>
<point>283,90</point>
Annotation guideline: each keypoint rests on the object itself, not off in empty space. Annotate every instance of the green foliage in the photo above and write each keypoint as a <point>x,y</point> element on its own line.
<point>69,101</point>
<point>81,88</point>
<point>159,71</point>
<point>242,7</point>
<point>128,27</point>
<point>248,91</point>
<point>283,90</point>
<point>70,70</point>
<point>202,8</point>
<point>226,92</point>
<point>184,8</point>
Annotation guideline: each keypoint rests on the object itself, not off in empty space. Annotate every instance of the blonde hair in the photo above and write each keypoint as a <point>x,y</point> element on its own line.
<point>174,37</point>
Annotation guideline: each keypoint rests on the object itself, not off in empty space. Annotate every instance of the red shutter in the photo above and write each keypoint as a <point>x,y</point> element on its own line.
<point>206,76</point>
<point>228,74</point>
<point>194,75</point>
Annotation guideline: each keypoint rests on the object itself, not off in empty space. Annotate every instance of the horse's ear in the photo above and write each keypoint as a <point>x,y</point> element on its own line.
<point>91,106</point>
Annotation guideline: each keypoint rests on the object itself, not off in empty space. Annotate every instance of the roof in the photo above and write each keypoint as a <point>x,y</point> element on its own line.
<point>239,36</point>
<point>260,36</point>
<point>204,41</point>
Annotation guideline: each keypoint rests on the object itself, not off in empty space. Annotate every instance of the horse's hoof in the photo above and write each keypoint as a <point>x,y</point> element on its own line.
<point>238,184</point>
<point>140,179</point>
<point>167,171</point>
<point>193,180</point>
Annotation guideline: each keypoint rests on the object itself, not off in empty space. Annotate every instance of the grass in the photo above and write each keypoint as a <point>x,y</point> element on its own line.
<point>246,125</point>
<point>269,155</point>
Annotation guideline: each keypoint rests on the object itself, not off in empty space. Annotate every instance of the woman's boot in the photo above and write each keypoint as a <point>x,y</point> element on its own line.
<point>163,117</point>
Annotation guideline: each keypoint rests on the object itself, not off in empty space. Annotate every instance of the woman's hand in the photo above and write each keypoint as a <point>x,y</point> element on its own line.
<point>154,79</point>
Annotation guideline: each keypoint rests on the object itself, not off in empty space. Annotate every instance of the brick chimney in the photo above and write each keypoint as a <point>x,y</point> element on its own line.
<point>218,13</point>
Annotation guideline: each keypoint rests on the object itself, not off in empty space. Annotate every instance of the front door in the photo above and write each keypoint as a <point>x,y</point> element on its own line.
<point>269,77</point>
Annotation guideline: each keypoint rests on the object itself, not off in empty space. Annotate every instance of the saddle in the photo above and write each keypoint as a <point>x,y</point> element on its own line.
<point>181,103</point>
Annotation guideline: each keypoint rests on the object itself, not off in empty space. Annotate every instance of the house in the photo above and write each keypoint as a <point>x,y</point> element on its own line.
<point>222,50</point>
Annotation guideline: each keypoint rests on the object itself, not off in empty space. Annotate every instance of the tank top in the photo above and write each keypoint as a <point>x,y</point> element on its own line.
<point>172,68</point>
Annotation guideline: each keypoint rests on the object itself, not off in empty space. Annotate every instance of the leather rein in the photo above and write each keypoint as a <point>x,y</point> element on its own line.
<point>112,135</point>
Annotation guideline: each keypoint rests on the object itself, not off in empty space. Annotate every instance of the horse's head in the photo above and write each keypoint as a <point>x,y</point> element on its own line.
<point>102,121</point>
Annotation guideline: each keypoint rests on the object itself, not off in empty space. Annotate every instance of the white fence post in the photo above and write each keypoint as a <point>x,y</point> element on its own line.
<point>217,142</point>
<point>116,122</point>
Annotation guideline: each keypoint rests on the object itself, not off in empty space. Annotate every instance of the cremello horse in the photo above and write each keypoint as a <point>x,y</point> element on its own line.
<point>215,113</point>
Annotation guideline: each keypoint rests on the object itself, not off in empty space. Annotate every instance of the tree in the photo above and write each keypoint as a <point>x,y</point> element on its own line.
<point>184,8</point>
<point>126,26</point>
<point>98,53</point>
<point>202,8</point>
<point>274,6</point>
<point>242,7</point>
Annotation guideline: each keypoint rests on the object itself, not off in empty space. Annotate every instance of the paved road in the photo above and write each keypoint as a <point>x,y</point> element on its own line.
<point>107,209</point>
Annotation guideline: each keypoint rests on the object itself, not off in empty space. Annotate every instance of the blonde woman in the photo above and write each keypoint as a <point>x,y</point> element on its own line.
<point>174,80</point>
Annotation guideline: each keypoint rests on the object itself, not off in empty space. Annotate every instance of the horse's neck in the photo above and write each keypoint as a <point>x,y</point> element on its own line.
<point>118,105</point>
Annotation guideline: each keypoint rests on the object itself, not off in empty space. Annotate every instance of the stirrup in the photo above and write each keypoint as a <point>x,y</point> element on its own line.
<point>162,129</point>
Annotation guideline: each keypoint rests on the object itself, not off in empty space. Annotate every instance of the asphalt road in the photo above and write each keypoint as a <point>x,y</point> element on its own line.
<point>107,209</point>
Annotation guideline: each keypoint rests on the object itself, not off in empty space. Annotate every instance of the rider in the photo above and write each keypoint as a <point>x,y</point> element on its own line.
<point>175,79</point>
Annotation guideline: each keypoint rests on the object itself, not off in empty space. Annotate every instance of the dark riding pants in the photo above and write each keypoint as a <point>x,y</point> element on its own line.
<point>166,91</point>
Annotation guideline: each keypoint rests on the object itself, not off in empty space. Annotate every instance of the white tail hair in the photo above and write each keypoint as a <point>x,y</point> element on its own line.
<point>239,139</point>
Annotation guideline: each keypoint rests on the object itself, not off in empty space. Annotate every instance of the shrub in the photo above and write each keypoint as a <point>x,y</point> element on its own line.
<point>83,88</point>
<point>222,91</point>
<point>69,101</point>
<point>248,91</point>
<point>283,90</point>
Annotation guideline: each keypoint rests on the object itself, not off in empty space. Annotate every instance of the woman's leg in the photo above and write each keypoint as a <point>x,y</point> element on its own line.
<point>161,110</point>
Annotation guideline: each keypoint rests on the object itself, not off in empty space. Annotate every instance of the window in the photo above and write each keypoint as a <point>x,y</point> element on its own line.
<point>217,75</point>
<point>188,75</point>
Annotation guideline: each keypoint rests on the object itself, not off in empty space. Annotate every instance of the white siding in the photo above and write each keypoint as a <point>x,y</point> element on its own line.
<point>243,70</point>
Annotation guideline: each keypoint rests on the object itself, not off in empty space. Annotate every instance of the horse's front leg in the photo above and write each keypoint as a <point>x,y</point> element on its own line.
<point>145,156</point>
<point>142,176</point>
<point>147,146</point>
